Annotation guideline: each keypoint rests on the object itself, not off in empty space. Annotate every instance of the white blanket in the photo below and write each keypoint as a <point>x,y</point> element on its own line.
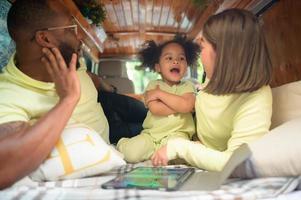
<point>90,188</point>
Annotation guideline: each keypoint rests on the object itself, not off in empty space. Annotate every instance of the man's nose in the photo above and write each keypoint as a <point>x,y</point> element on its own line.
<point>79,36</point>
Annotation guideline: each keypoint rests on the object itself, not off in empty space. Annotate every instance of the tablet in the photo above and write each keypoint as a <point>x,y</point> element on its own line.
<point>155,178</point>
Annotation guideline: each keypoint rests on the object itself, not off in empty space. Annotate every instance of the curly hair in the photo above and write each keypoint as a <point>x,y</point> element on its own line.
<point>150,54</point>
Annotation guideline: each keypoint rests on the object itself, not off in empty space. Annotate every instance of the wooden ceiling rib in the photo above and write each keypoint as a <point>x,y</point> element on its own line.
<point>120,15</point>
<point>183,17</point>
<point>140,13</point>
<point>135,11</point>
<point>127,14</point>
<point>160,15</point>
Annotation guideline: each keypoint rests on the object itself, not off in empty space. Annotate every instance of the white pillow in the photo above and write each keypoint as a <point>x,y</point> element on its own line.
<point>275,154</point>
<point>286,103</point>
<point>80,152</point>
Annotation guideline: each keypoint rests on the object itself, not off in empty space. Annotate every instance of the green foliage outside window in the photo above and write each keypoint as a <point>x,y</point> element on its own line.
<point>200,3</point>
<point>93,10</point>
<point>140,77</point>
<point>200,70</point>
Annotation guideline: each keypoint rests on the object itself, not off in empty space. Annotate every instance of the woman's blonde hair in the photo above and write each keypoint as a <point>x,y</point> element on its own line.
<point>242,60</point>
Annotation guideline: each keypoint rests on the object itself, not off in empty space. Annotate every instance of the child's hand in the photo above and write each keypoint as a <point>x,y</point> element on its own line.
<point>152,95</point>
<point>159,158</point>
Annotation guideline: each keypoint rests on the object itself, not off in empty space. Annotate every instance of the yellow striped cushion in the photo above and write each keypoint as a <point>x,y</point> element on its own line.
<point>80,152</point>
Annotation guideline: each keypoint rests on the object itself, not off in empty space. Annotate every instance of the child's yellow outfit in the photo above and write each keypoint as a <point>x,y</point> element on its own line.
<point>159,129</point>
<point>223,124</point>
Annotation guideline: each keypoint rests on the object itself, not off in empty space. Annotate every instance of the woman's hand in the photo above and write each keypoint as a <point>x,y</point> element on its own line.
<point>65,78</point>
<point>159,158</point>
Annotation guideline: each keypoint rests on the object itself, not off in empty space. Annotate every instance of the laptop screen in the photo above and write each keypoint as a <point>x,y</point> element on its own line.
<point>151,178</point>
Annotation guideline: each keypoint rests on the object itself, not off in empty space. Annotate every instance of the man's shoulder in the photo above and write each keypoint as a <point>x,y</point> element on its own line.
<point>9,92</point>
<point>7,82</point>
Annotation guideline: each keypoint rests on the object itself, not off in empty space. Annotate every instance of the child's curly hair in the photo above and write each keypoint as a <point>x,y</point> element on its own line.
<point>151,52</point>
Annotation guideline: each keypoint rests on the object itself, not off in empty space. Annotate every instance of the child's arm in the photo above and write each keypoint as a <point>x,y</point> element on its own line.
<point>157,107</point>
<point>179,104</point>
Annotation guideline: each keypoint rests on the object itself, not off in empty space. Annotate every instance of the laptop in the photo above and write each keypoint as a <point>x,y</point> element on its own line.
<point>174,178</point>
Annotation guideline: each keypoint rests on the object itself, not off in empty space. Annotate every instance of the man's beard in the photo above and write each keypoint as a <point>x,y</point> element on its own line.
<point>67,52</point>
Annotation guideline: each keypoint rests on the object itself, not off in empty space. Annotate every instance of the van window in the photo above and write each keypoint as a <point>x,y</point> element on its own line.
<point>200,71</point>
<point>140,76</point>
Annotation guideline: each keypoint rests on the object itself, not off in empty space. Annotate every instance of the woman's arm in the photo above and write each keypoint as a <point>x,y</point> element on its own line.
<point>251,121</point>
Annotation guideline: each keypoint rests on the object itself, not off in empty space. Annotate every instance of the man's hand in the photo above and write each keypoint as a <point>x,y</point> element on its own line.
<point>65,78</point>
<point>159,158</point>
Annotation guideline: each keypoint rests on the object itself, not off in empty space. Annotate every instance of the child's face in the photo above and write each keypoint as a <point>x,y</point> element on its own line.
<point>172,63</point>
<point>208,57</point>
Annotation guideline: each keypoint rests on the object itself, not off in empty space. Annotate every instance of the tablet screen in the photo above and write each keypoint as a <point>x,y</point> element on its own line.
<point>151,178</point>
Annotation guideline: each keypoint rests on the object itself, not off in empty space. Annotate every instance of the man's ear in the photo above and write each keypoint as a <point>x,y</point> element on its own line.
<point>157,68</point>
<point>44,39</point>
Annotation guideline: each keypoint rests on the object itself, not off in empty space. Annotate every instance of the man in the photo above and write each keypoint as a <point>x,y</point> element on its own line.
<point>40,94</point>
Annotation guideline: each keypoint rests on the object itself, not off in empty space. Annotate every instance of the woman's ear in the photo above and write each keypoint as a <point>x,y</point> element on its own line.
<point>157,68</point>
<point>44,39</point>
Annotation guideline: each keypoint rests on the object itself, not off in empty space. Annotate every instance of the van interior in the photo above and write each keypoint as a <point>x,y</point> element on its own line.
<point>113,45</point>
<point>113,37</point>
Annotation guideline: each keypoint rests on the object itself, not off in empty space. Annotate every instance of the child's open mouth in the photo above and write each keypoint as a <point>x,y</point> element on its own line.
<point>175,70</point>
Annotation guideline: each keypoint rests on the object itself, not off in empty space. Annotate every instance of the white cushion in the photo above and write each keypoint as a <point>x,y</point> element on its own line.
<point>286,103</point>
<point>275,154</point>
<point>80,152</point>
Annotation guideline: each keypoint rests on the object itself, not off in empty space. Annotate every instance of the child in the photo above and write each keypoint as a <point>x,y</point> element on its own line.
<point>170,100</point>
<point>235,107</point>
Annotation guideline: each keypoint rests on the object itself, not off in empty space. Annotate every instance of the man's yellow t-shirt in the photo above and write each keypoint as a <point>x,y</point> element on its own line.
<point>25,99</point>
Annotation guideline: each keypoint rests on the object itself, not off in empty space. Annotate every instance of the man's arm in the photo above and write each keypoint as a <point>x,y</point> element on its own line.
<point>23,147</point>
<point>100,84</point>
